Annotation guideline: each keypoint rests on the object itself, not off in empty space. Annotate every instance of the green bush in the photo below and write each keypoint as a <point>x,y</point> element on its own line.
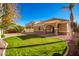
<point>2,36</point>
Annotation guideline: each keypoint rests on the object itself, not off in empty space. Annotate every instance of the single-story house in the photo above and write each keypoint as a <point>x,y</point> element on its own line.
<point>54,26</point>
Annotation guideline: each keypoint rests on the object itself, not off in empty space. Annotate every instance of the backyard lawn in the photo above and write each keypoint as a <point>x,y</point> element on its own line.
<point>33,45</point>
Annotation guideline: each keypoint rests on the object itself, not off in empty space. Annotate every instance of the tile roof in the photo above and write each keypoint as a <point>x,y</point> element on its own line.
<point>52,19</point>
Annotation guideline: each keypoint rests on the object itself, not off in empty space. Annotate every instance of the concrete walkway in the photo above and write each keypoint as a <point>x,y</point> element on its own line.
<point>13,34</point>
<point>3,45</point>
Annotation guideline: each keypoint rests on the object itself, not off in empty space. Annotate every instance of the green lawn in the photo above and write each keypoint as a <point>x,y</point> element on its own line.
<point>33,45</point>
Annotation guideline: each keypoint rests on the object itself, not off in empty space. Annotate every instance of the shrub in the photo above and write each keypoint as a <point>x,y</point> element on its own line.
<point>2,36</point>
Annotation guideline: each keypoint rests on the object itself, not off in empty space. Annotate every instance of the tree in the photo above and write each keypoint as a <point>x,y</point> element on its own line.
<point>71,21</point>
<point>10,12</point>
<point>14,28</point>
<point>72,43</point>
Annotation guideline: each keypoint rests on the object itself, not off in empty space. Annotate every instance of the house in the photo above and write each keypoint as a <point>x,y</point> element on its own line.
<point>54,26</point>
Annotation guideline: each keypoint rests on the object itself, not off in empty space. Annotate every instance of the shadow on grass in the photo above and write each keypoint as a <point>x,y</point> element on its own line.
<point>35,45</point>
<point>30,36</point>
<point>32,45</point>
<point>58,54</point>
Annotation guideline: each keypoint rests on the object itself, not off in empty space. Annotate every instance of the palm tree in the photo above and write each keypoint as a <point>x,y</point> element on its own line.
<point>10,12</point>
<point>71,21</point>
<point>72,43</point>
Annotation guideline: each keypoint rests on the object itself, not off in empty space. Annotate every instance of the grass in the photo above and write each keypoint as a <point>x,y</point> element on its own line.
<point>33,45</point>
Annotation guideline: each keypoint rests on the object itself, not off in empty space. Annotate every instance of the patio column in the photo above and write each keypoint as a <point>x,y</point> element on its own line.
<point>56,29</point>
<point>68,29</point>
<point>44,27</point>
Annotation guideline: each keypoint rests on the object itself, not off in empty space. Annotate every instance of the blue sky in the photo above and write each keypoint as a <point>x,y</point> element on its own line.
<point>44,11</point>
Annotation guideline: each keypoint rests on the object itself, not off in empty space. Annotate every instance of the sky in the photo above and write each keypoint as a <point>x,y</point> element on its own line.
<point>43,11</point>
